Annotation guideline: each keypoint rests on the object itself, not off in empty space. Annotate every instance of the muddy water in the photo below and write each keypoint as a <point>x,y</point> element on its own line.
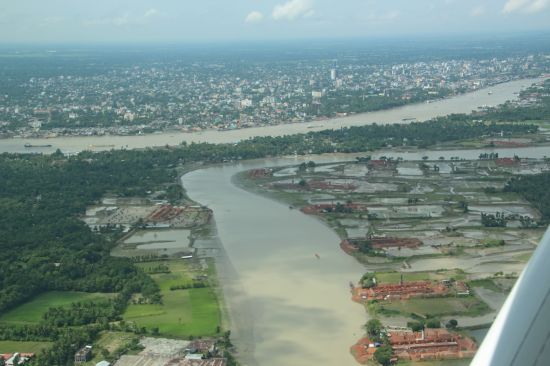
<point>288,307</point>
<point>460,104</point>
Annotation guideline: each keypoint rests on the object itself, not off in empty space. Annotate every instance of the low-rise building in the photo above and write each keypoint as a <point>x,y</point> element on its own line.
<point>83,355</point>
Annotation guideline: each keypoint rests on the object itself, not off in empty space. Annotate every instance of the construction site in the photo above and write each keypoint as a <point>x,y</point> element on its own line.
<point>128,212</point>
<point>428,344</point>
<point>171,352</point>
<point>400,291</point>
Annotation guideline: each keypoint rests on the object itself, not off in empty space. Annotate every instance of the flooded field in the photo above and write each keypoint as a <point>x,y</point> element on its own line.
<point>159,241</point>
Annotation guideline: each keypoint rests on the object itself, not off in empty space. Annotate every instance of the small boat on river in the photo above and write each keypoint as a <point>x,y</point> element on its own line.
<point>30,145</point>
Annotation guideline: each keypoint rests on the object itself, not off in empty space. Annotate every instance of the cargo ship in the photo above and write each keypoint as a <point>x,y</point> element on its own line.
<point>30,145</point>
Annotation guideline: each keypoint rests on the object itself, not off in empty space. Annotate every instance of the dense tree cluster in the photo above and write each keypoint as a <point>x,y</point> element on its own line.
<point>44,244</point>
<point>493,220</point>
<point>534,188</point>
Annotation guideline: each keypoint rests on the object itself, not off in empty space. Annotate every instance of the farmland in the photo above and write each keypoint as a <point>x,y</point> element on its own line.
<point>23,347</point>
<point>184,312</point>
<point>470,306</point>
<point>32,311</point>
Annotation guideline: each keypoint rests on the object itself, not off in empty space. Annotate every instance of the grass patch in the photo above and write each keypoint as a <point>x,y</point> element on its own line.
<point>524,257</point>
<point>486,283</point>
<point>111,341</point>
<point>23,347</point>
<point>395,277</point>
<point>184,313</point>
<point>440,306</point>
<point>32,311</point>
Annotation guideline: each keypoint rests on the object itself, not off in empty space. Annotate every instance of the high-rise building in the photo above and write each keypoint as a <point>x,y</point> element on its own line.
<point>332,74</point>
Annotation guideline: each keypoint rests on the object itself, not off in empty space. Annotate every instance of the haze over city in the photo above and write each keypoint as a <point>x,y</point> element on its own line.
<point>61,21</point>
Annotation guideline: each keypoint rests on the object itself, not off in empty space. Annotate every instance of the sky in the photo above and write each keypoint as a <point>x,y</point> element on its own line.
<point>106,21</point>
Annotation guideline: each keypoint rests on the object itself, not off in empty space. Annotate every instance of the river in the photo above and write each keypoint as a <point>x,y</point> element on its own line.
<point>464,103</point>
<point>287,306</point>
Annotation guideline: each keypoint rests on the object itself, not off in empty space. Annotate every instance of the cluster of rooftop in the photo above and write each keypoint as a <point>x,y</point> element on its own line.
<point>141,96</point>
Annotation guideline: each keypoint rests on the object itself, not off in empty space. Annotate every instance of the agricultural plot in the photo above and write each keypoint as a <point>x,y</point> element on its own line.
<point>184,312</point>
<point>467,305</point>
<point>396,277</point>
<point>23,347</point>
<point>33,310</point>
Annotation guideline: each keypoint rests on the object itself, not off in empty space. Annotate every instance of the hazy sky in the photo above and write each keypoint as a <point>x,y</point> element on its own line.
<point>212,20</point>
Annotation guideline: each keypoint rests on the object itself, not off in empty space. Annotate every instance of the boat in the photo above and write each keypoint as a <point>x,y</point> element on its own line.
<point>45,145</point>
<point>97,146</point>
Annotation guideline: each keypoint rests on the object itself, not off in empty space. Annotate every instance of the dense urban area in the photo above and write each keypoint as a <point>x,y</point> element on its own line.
<point>131,96</point>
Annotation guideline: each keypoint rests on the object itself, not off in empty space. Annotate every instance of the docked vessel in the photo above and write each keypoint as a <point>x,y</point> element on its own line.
<point>30,145</point>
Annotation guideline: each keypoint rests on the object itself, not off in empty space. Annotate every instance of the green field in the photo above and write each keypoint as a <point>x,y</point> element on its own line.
<point>184,313</point>
<point>23,347</point>
<point>32,311</point>
<point>469,305</point>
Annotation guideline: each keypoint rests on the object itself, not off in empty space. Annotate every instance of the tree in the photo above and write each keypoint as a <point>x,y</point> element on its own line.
<point>373,328</point>
<point>383,355</point>
<point>415,326</point>
<point>433,323</point>
<point>451,324</point>
<point>368,281</point>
